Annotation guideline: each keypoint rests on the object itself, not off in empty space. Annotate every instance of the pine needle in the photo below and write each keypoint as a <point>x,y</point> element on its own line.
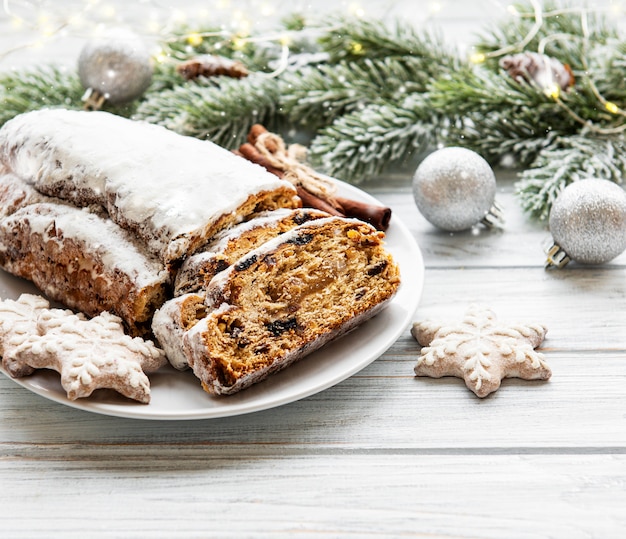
<point>222,112</point>
<point>362,144</point>
<point>567,160</point>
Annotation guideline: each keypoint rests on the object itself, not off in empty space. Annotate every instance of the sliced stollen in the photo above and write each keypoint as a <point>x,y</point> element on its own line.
<point>174,192</point>
<point>287,298</point>
<point>229,245</point>
<point>170,323</point>
<point>84,261</point>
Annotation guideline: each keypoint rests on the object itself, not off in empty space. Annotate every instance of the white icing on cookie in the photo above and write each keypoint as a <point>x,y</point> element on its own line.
<point>18,320</point>
<point>89,354</point>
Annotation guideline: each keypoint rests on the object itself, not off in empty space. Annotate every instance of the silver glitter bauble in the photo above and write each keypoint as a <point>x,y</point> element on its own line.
<point>454,189</point>
<point>588,223</point>
<point>116,66</point>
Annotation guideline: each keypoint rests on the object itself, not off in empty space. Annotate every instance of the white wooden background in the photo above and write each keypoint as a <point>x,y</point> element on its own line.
<point>382,454</point>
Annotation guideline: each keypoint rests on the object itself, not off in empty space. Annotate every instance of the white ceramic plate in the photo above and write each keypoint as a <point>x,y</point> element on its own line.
<point>177,395</point>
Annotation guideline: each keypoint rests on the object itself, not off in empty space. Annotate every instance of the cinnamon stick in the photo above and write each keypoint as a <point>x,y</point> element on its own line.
<point>309,200</point>
<point>255,131</point>
<point>248,151</point>
<point>378,216</point>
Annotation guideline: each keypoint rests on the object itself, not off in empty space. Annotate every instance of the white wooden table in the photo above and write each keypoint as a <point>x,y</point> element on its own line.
<point>381,454</point>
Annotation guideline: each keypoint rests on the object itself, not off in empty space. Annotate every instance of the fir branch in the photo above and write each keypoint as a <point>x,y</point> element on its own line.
<point>187,42</point>
<point>38,88</point>
<point>499,117</point>
<point>608,71</point>
<point>316,96</point>
<point>567,160</point>
<point>360,145</point>
<point>45,87</point>
<point>165,76</point>
<point>352,40</point>
<point>222,112</point>
<point>480,91</point>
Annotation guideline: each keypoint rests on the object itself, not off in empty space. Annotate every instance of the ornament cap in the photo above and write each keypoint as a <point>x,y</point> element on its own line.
<point>93,99</point>
<point>494,218</point>
<point>556,256</point>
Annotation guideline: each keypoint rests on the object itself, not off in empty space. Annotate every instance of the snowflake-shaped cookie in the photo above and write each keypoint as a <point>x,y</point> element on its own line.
<point>480,350</point>
<point>89,354</point>
<point>18,320</point>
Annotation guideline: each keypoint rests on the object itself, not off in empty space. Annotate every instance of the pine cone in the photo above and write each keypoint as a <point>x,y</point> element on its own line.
<point>210,65</point>
<point>541,69</point>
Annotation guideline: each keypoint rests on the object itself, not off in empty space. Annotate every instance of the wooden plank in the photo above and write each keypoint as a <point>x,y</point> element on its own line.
<point>383,407</point>
<point>207,492</point>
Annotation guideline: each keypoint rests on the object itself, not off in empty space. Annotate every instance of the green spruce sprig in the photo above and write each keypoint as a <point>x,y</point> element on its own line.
<point>222,112</point>
<point>566,160</point>
<point>37,88</point>
<point>360,145</point>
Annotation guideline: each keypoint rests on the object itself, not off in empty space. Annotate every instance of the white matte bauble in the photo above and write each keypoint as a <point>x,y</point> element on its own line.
<point>454,189</point>
<point>588,222</point>
<point>116,65</point>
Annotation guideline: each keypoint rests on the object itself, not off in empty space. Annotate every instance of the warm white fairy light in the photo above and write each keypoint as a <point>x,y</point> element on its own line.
<point>478,57</point>
<point>355,9</point>
<point>512,9</point>
<point>552,90</point>
<point>435,7</point>
<point>179,16</point>
<point>267,9</point>
<point>107,11</point>
<point>54,21</point>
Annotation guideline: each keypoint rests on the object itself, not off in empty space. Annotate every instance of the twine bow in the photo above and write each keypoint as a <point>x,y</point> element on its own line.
<point>288,159</point>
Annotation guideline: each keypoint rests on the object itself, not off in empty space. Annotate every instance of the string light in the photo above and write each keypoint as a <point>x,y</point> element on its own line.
<point>51,24</point>
<point>478,58</point>
<point>195,39</point>
<point>356,10</point>
<point>356,48</point>
<point>552,89</point>
<point>239,43</point>
<point>435,7</point>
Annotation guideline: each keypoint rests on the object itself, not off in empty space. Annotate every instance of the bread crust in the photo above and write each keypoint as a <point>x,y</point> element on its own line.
<point>85,262</point>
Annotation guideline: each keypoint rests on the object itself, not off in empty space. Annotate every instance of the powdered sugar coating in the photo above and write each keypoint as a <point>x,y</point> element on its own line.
<point>84,261</point>
<point>15,193</point>
<point>169,327</point>
<point>102,239</point>
<point>167,187</point>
